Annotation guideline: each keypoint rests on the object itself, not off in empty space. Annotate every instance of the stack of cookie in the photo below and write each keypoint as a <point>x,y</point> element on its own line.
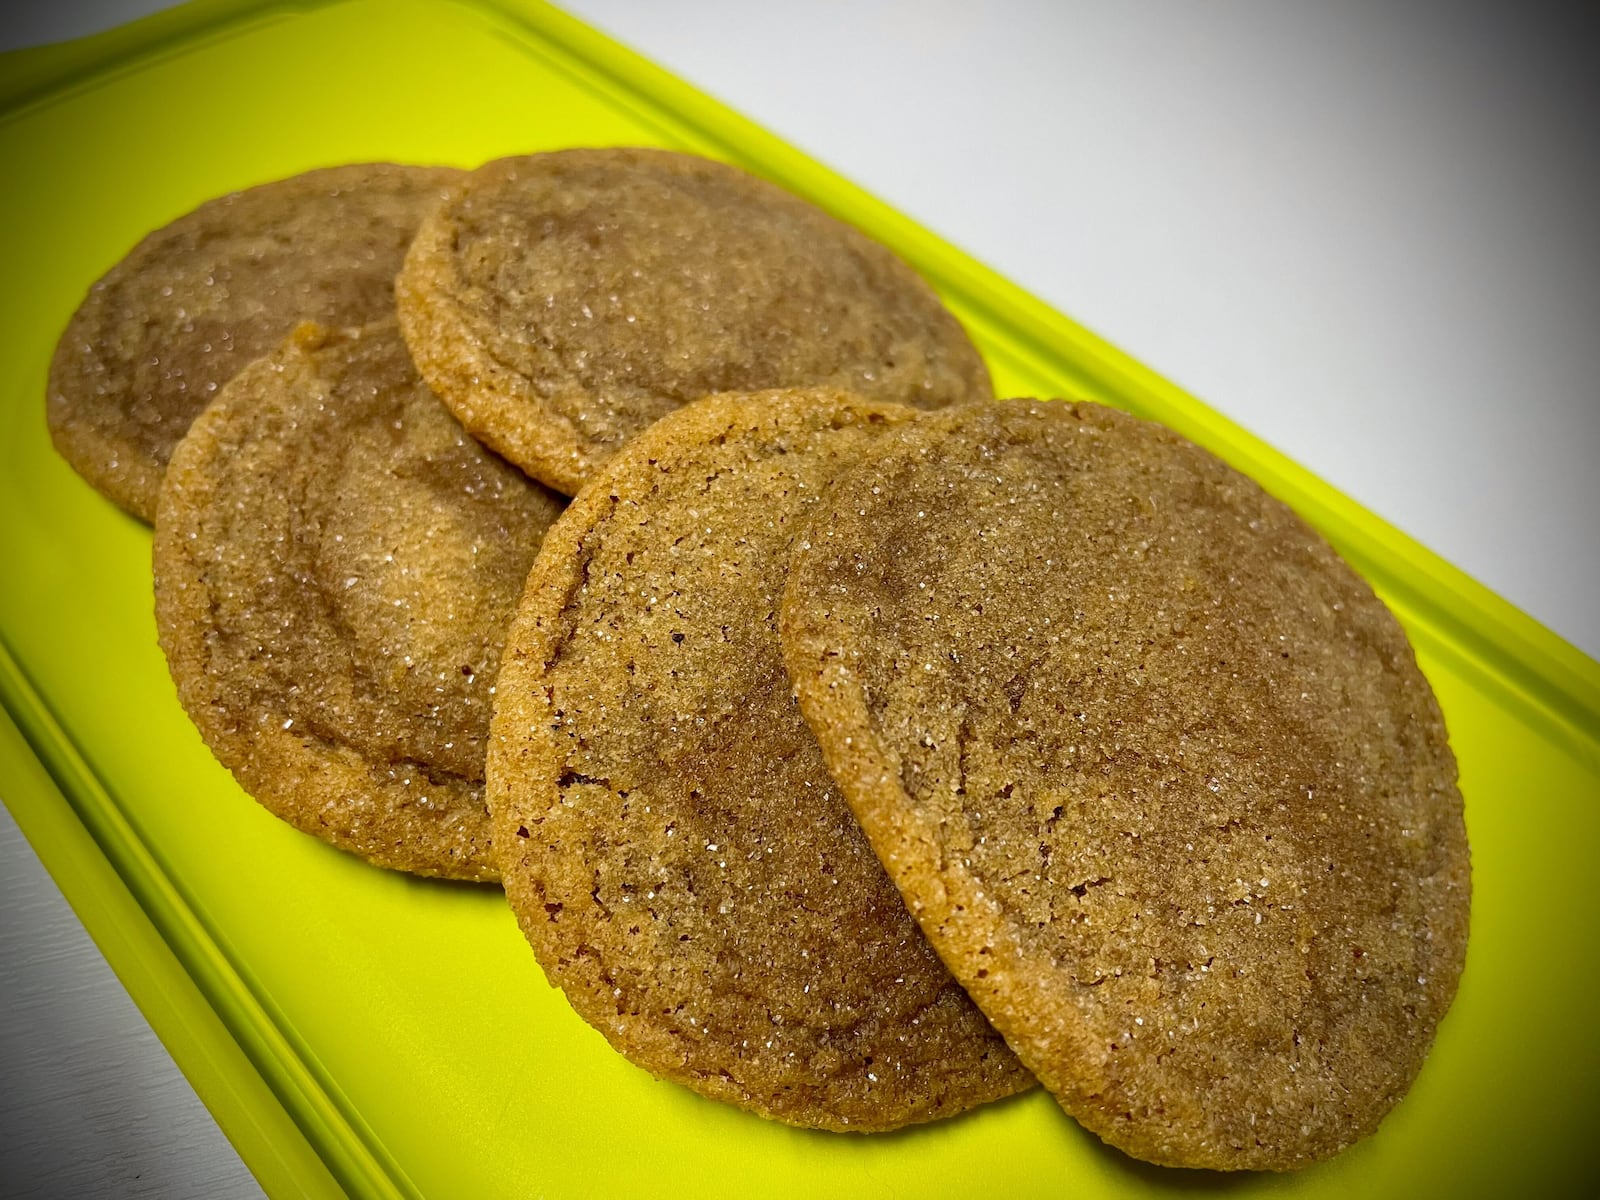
<point>854,747</point>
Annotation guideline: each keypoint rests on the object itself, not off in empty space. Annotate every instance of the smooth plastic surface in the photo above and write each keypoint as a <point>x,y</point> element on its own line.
<point>392,1036</point>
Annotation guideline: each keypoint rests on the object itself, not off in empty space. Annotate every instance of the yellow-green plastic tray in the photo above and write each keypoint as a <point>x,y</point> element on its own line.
<point>355,1029</point>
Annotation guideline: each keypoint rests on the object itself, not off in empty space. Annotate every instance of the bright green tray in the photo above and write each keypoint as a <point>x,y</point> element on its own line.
<point>353,1028</point>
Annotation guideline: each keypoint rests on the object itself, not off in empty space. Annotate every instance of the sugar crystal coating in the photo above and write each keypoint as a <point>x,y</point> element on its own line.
<point>159,335</point>
<point>561,302</point>
<point>336,562</point>
<point>669,837</point>
<point>1154,768</point>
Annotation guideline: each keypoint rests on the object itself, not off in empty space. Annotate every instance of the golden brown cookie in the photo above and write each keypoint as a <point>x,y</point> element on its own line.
<point>667,832</point>
<point>560,303</point>
<point>1154,768</point>
<point>336,562</point>
<point>191,304</point>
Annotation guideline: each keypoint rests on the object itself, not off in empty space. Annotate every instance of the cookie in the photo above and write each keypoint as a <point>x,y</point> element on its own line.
<point>336,562</point>
<point>1155,770</point>
<point>668,835</point>
<point>560,303</point>
<point>191,304</point>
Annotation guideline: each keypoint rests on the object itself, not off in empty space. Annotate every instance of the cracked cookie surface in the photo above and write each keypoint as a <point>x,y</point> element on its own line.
<point>561,302</point>
<point>336,563</point>
<point>669,838</point>
<point>1154,768</point>
<point>160,333</point>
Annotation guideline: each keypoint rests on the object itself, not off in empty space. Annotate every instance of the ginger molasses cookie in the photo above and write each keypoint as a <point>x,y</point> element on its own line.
<point>336,562</point>
<point>561,302</point>
<point>667,832</point>
<point>191,304</point>
<point>1155,770</point>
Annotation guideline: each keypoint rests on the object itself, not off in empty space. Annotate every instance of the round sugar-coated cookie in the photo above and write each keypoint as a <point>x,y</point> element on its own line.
<point>668,835</point>
<point>561,302</point>
<point>159,335</point>
<point>336,563</point>
<point>1155,770</point>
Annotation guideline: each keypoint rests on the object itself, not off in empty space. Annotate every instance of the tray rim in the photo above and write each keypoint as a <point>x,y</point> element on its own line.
<point>290,1123</point>
<point>41,772</point>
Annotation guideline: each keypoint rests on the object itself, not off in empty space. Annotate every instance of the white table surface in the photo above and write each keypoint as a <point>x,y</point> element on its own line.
<point>1366,235</point>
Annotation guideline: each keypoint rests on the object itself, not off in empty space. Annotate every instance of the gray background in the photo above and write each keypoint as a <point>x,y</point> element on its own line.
<point>1365,234</point>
